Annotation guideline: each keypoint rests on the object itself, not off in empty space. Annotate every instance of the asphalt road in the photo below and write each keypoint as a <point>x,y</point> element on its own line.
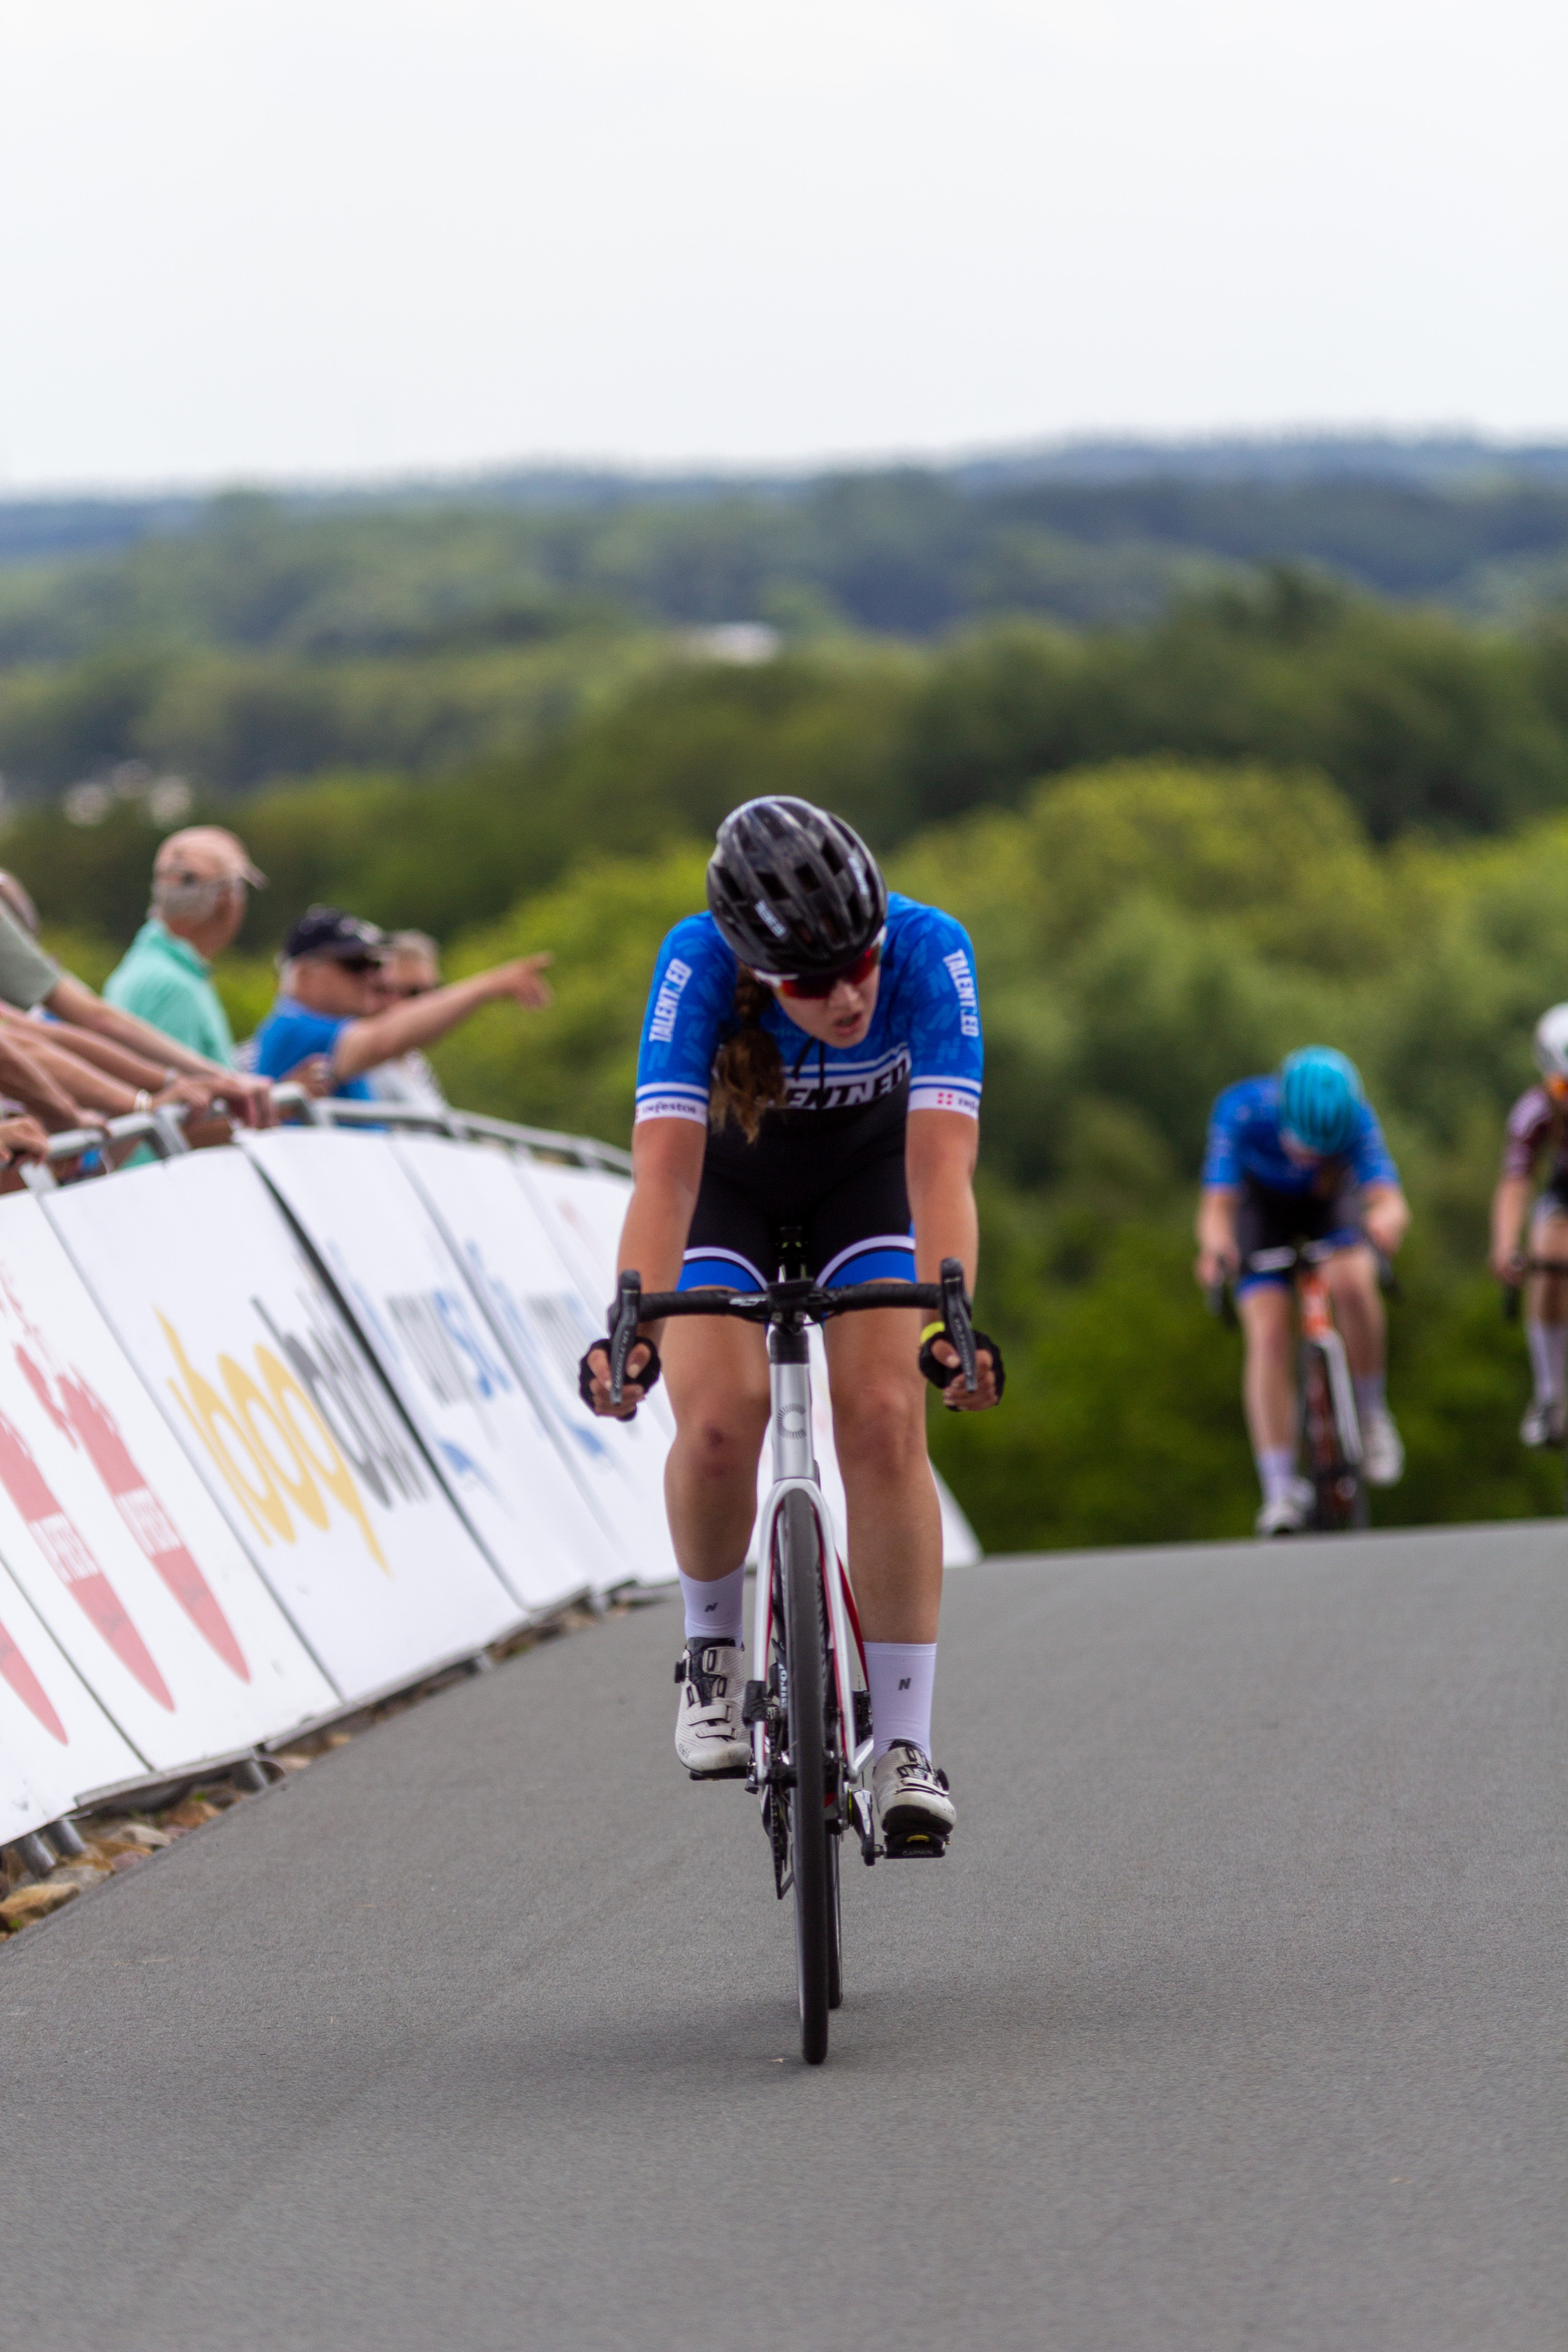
<point>1233,2018</point>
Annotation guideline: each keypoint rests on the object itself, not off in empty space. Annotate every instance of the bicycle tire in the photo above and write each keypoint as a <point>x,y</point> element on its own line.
<point>805,1654</point>
<point>1339,1496</point>
<point>835,1930</point>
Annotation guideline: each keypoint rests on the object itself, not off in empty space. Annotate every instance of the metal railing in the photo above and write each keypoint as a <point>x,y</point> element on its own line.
<point>164,1131</point>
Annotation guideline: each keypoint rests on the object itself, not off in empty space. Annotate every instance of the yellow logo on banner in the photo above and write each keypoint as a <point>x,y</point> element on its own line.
<point>271,1446</point>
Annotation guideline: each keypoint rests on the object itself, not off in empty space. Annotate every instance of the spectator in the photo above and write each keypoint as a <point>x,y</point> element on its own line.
<point>30,977</point>
<point>331,1024</point>
<point>18,900</point>
<point>199,880</point>
<point>412,969</point>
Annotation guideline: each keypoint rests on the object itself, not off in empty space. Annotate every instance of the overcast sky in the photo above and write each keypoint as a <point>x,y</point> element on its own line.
<point>321,237</point>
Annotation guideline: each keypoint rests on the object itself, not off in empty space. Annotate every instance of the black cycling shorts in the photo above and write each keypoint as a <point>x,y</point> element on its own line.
<point>1266,1220</point>
<point>835,1177</point>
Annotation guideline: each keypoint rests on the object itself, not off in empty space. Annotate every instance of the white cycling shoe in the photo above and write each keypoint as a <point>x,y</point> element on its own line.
<point>1288,1513</point>
<point>912,1799</point>
<point>1382,1450</point>
<point>1543,1422</point>
<point>710,1737</point>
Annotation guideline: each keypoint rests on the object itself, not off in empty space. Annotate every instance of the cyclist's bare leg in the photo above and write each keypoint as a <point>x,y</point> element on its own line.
<point>717,1374</point>
<point>1269,1376</point>
<point>1352,1276</point>
<point>1546,1295</point>
<point>880,1431</point>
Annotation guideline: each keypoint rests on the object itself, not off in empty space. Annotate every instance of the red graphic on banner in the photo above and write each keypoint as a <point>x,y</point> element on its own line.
<point>15,1669</point>
<point>69,1556</point>
<point>89,1419</point>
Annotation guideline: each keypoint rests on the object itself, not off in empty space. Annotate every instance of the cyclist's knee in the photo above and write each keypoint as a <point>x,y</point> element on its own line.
<point>881,1422</point>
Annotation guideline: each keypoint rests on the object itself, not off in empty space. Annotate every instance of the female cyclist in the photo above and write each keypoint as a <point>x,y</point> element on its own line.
<point>811,1059</point>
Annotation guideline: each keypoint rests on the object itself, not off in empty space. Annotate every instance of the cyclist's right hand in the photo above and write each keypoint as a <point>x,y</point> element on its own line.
<point>594,1378</point>
<point>1215,1268</point>
<point>1508,1266</point>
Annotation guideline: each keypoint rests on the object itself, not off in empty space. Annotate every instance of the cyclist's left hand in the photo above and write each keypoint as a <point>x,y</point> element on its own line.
<point>988,1365</point>
<point>1383,1225</point>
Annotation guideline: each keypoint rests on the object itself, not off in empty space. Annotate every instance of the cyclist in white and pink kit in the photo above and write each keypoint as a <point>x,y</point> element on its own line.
<point>811,1061</point>
<point>1537,1141</point>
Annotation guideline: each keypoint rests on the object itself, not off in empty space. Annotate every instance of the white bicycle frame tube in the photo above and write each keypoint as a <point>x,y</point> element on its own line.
<point>794,1473</point>
<point>1343,1390</point>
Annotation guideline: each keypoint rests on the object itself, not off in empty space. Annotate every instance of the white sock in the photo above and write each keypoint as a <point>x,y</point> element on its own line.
<point>1369,1394</point>
<point>1548,1344</point>
<point>716,1611</point>
<point>1275,1471</point>
<point>900,1676</point>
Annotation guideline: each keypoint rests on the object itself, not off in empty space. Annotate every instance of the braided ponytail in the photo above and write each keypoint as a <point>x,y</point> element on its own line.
<point>748,1069</point>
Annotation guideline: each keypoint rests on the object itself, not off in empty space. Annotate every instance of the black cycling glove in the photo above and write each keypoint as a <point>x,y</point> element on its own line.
<point>647,1378</point>
<point>941,1375</point>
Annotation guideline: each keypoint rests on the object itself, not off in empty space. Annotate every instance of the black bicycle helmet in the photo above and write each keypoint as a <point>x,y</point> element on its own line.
<point>795,892</point>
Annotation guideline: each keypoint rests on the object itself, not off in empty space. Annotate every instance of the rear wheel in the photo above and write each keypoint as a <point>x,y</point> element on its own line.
<point>812,1850</point>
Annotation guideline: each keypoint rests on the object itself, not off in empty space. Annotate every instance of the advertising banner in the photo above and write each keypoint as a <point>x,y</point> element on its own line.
<point>588,1207</point>
<point>56,1742</point>
<point>584,1209</point>
<point>372,1231</point>
<point>114,1540</point>
<point>273,1398</point>
<point>513,1259</point>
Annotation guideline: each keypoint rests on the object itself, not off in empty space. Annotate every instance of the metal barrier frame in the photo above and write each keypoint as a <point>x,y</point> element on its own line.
<point>164,1131</point>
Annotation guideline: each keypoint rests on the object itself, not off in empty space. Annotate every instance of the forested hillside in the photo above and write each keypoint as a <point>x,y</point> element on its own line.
<point>1265,806</point>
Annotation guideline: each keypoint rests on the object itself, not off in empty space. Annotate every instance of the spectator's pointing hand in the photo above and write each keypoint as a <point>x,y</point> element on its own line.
<point>525,980</point>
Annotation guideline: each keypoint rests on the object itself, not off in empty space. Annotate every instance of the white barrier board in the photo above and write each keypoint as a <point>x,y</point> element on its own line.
<point>56,1742</point>
<point>274,1400</point>
<point>114,1540</point>
<point>590,1208</point>
<point>416,1312</point>
<point>514,1262</point>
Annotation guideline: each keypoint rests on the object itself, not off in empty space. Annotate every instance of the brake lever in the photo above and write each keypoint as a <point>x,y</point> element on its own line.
<point>625,1317</point>
<point>956,1316</point>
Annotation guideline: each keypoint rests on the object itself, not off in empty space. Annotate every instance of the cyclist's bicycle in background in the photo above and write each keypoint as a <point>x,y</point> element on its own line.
<point>809,1711</point>
<point>1330,1441</point>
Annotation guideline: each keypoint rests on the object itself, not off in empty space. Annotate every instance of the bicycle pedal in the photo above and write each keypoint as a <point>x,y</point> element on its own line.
<point>915,1845</point>
<point>732,1772</point>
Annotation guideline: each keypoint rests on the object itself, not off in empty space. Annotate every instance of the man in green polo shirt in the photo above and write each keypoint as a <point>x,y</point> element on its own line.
<point>199,881</point>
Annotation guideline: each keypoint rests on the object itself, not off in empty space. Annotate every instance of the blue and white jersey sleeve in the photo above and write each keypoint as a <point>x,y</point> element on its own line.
<point>1369,1154</point>
<point>689,1003</point>
<point>937,1010</point>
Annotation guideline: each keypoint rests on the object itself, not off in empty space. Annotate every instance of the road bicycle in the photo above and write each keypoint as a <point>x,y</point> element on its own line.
<point>808,1710</point>
<point>1328,1426</point>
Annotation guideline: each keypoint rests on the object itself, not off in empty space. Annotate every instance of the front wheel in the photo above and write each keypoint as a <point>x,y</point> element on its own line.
<point>1341,1500</point>
<point>816,1879</point>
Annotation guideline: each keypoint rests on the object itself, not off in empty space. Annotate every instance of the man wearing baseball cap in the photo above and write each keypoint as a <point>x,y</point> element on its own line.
<point>326,1029</point>
<point>200,877</point>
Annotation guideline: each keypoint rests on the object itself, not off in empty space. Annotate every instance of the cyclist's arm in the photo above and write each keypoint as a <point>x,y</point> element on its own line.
<point>1217,1259</point>
<point>1511,1207</point>
<point>1385,1216</point>
<point>667,1173</point>
<point>940,1147</point>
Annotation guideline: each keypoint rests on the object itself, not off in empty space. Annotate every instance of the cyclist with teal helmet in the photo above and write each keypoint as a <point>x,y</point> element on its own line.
<point>1300,1156</point>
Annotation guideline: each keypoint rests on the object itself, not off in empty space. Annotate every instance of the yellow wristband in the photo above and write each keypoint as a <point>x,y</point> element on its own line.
<point>936,1330</point>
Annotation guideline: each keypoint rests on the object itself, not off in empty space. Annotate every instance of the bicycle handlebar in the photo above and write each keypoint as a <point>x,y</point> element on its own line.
<point>1526,1266</point>
<point>798,1302</point>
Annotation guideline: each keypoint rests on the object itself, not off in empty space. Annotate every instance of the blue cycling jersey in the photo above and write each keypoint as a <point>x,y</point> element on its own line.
<point>1244,1142</point>
<point>925,1028</point>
